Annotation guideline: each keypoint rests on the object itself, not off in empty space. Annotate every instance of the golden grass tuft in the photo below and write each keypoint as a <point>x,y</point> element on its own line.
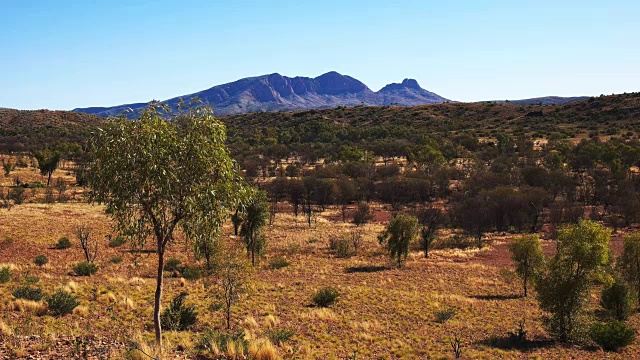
<point>128,303</point>
<point>81,311</point>
<point>250,323</point>
<point>321,314</point>
<point>262,350</point>
<point>136,281</point>
<point>5,330</point>
<point>22,305</point>
<point>271,321</point>
<point>142,351</point>
<point>11,266</point>
<point>71,287</point>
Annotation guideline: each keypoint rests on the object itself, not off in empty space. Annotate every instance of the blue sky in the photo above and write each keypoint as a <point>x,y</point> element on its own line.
<point>65,54</point>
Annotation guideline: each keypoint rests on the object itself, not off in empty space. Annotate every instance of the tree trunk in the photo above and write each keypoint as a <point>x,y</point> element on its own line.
<point>158,298</point>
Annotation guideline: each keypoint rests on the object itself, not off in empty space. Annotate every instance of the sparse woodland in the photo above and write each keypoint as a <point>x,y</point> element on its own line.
<point>446,231</point>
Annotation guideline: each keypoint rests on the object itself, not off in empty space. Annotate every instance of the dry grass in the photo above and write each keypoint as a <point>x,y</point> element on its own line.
<point>382,312</point>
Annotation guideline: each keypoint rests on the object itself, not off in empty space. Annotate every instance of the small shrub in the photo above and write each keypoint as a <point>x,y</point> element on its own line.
<point>85,269</point>
<point>63,243</point>
<point>279,336</point>
<point>278,263</point>
<point>172,265</point>
<point>28,293</point>
<point>191,273</point>
<point>61,303</point>
<point>617,300</point>
<point>612,336</point>
<point>5,274</point>
<point>178,316</point>
<point>115,260</point>
<point>41,260</point>
<point>443,316</point>
<point>325,297</point>
<point>117,241</point>
<point>342,246</point>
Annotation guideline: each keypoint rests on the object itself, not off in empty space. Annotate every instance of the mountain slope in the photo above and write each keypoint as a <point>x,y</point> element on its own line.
<point>26,130</point>
<point>276,92</point>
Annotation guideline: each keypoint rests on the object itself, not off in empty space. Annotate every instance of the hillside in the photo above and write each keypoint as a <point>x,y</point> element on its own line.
<point>25,130</point>
<point>606,115</point>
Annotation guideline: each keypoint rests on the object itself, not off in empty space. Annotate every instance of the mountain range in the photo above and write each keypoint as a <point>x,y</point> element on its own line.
<point>276,92</point>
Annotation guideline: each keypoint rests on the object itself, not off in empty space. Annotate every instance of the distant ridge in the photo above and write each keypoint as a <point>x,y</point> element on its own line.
<point>547,100</point>
<point>275,92</point>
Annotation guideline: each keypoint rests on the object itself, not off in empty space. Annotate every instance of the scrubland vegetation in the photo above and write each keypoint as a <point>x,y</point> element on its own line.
<point>446,231</point>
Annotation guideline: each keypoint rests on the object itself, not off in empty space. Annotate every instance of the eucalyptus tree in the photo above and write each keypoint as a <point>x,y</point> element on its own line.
<point>156,176</point>
<point>402,229</point>
<point>254,219</point>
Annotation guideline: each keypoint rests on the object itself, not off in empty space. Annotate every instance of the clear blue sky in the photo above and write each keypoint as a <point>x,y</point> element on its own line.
<point>65,54</point>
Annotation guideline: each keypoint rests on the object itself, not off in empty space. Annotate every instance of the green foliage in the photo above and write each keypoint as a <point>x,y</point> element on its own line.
<point>430,219</point>
<point>254,218</point>
<point>191,273</point>
<point>325,297</point>
<point>279,336</point>
<point>41,260</point>
<point>583,253</point>
<point>442,316</point>
<point>29,293</point>
<point>172,265</point>
<point>63,243</point>
<point>156,176</point>
<point>178,316</point>
<point>526,252</point>
<point>278,263</point>
<point>117,241</point>
<point>629,261</point>
<point>18,195</point>
<point>613,335</point>
<point>5,274</point>
<point>115,260</point>
<point>342,245</point>
<point>47,162</point>
<point>402,229</point>
<point>85,269</point>
<point>617,300</point>
<point>363,214</point>
<point>61,303</point>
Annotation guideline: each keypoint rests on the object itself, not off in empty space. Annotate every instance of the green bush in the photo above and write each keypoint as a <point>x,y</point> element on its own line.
<point>5,275</point>
<point>85,269</point>
<point>279,336</point>
<point>278,263</point>
<point>115,260</point>
<point>342,246</point>
<point>617,300</point>
<point>443,316</point>
<point>191,273</point>
<point>41,260</point>
<point>28,293</point>
<point>63,243</point>
<point>117,241</point>
<point>178,316</point>
<point>61,303</point>
<point>172,265</point>
<point>325,297</point>
<point>613,335</point>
